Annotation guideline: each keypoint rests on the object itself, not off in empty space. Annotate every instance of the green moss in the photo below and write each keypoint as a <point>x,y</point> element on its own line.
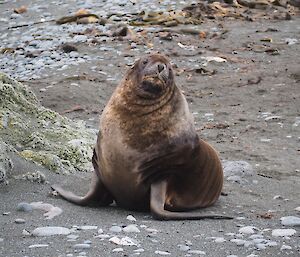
<point>42,135</point>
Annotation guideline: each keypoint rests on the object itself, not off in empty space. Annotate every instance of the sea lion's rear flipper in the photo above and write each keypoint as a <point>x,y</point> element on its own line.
<point>157,205</point>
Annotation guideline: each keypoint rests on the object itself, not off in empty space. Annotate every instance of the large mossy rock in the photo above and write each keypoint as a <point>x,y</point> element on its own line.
<point>41,135</point>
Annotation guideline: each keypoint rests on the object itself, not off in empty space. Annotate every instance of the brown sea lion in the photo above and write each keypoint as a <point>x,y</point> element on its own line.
<point>148,154</point>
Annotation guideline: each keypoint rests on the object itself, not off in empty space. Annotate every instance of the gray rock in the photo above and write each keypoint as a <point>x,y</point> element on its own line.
<point>20,221</point>
<point>283,232</point>
<point>131,229</point>
<point>50,231</point>
<point>237,171</point>
<point>290,221</point>
<point>115,229</point>
<point>82,246</point>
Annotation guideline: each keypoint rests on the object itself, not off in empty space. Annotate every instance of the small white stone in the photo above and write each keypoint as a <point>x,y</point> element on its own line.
<point>271,243</point>
<point>260,246</point>
<point>102,236</point>
<point>183,248</point>
<point>277,197</point>
<point>123,241</point>
<point>283,232</point>
<point>248,243</point>
<point>255,236</point>
<point>115,229</point>
<point>297,209</point>
<point>131,229</point>
<point>118,250</point>
<point>73,237</point>
<point>238,242</point>
<point>161,252</point>
<point>87,227</point>
<point>258,240</point>
<point>252,255</point>
<point>131,218</point>
<point>220,240</point>
<point>100,231</point>
<point>140,250</point>
<point>198,252</point>
<point>20,221</point>
<point>290,221</point>
<point>285,247</point>
<point>38,246</point>
<point>247,230</point>
<point>25,232</point>
<point>231,255</point>
<point>82,246</point>
<point>50,231</point>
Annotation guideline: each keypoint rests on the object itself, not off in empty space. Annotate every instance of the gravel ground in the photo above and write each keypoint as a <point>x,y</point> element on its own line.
<point>245,103</point>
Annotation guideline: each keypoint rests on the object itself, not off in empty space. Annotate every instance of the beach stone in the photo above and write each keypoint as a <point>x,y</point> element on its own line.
<point>118,250</point>
<point>161,252</point>
<point>115,229</point>
<point>20,221</point>
<point>237,171</point>
<point>283,232</point>
<point>38,246</point>
<point>247,230</point>
<point>285,247</point>
<point>131,229</point>
<point>220,240</point>
<point>297,209</point>
<point>198,252</point>
<point>50,231</point>
<point>290,221</point>
<point>87,227</point>
<point>238,242</point>
<point>131,218</point>
<point>25,207</point>
<point>184,248</point>
<point>82,246</point>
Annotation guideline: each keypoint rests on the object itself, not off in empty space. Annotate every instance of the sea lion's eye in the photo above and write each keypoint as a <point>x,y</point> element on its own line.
<point>145,61</point>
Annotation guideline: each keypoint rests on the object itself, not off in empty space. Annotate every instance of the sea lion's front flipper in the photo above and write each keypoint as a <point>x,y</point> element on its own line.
<point>98,194</point>
<point>157,205</point>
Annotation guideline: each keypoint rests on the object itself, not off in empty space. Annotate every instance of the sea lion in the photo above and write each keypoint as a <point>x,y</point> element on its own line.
<point>148,154</point>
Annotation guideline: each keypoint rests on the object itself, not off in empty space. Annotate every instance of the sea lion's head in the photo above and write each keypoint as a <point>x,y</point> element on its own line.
<point>152,76</point>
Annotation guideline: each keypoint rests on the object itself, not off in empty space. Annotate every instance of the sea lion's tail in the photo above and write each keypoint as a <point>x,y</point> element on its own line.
<point>157,202</point>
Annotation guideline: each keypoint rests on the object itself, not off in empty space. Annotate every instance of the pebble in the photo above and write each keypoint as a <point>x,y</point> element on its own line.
<point>131,229</point>
<point>25,207</point>
<point>283,232</point>
<point>198,252</point>
<point>1,240</point>
<point>260,246</point>
<point>184,248</point>
<point>115,229</point>
<point>38,246</point>
<point>220,240</point>
<point>87,227</point>
<point>102,236</point>
<point>231,255</point>
<point>50,231</point>
<point>161,252</point>
<point>20,221</point>
<point>247,230</point>
<point>82,246</point>
<point>72,237</point>
<point>100,231</point>
<point>297,209</point>
<point>131,218</point>
<point>25,232</point>
<point>238,242</point>
<point>285,247</point>
<point>123,241</point>
<point>118,250</point>
<point>290,221</point>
